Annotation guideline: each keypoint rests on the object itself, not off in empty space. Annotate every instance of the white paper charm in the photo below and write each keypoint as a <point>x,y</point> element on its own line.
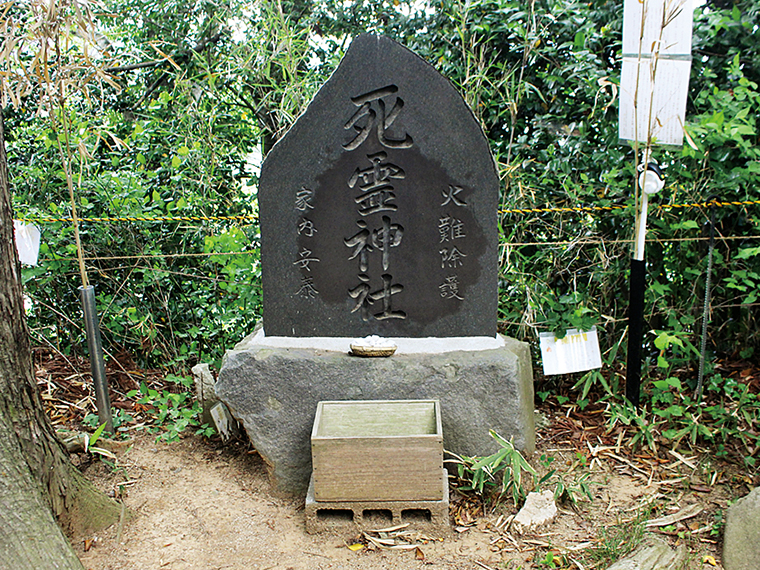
<point>577,352</point>
<point>27,242</point>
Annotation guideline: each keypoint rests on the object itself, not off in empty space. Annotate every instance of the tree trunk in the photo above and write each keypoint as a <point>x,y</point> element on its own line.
<point>38,483</point>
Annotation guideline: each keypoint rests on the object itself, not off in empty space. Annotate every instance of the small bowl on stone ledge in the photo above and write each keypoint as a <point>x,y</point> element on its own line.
<point>373,346</point>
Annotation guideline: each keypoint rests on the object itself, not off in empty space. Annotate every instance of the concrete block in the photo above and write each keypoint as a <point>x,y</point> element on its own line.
<point>330,516</point>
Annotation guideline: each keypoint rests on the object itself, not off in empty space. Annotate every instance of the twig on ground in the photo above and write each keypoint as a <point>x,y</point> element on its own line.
<point>685,513</point>
<point>629,463</point>
<point>682,459</point>
<point>122,516</point>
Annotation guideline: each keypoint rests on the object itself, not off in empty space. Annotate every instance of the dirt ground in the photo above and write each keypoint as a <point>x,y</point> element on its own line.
<point>199,505</point>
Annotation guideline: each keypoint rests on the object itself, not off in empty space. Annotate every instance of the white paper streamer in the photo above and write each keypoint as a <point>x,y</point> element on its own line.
<point>27,242</point>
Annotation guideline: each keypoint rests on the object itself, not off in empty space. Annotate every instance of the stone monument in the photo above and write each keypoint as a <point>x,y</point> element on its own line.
<point>378,215</point>
<point>378,208</point>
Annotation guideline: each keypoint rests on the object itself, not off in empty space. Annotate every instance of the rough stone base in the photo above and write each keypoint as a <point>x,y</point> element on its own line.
<point>274,391</point>
<point>324,516</point>
<point>741,539</point>
<point>653,553</point>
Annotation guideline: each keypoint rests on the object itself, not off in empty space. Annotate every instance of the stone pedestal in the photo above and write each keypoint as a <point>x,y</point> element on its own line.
<point>273,391</point>
<point>741,537</point>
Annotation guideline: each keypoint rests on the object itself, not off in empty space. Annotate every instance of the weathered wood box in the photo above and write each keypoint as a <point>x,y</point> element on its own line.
<point>378,450</point>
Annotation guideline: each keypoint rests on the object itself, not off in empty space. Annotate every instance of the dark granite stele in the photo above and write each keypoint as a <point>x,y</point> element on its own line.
<point>378,208</point>
<point>274,392</point>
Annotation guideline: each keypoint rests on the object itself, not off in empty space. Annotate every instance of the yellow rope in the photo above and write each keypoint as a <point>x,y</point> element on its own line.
<point>580,209</point>
<point>712,203</point>
<point>564,209</point>
<point>145,219</point>
<point>597,241</point>
<point>581,242</point>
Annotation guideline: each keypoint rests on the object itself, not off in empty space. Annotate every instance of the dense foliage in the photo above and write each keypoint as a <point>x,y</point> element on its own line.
<point>206,88</point>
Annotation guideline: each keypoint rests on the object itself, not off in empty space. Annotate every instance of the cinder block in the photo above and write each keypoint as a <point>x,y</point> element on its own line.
<point>429,516</point>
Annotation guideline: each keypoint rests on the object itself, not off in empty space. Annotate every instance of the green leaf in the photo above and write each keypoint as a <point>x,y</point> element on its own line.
<point>579,41</point>
<point>742,130</point>
<point>664,340</point>
<point>176,161</point>
<point>748,252</point>
<point>716,121</point>
<point>90,440</point>
<point>685,225</point>
<point>670,433</point>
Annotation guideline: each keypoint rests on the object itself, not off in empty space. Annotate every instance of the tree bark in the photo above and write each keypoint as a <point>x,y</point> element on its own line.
<point>38,483</point>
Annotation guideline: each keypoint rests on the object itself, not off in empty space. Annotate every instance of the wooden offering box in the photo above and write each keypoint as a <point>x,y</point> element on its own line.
<point>378,450</point>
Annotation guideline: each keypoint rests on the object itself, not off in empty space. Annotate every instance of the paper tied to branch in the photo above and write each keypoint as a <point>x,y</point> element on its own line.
<point>27,242</point>
<point>576,352</point>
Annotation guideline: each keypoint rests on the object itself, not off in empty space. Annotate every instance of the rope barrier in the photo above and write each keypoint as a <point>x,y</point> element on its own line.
<point>582,209</point>
<point>578,209</point>
<point>710,204</point>
<point>713,203</point>
<point>44,220</point>
<point>575,209</point>
<point>503,245</point>
<point>595,241</point>
<point>154,256</point>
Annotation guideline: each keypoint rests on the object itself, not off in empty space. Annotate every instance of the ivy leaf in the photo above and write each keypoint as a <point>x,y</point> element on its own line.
<point>685,225</point>
<point>748,252</point>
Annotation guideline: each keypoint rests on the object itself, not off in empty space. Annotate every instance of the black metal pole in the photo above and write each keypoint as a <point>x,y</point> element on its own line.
<point>95,348</point>
<point>635,330</point>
